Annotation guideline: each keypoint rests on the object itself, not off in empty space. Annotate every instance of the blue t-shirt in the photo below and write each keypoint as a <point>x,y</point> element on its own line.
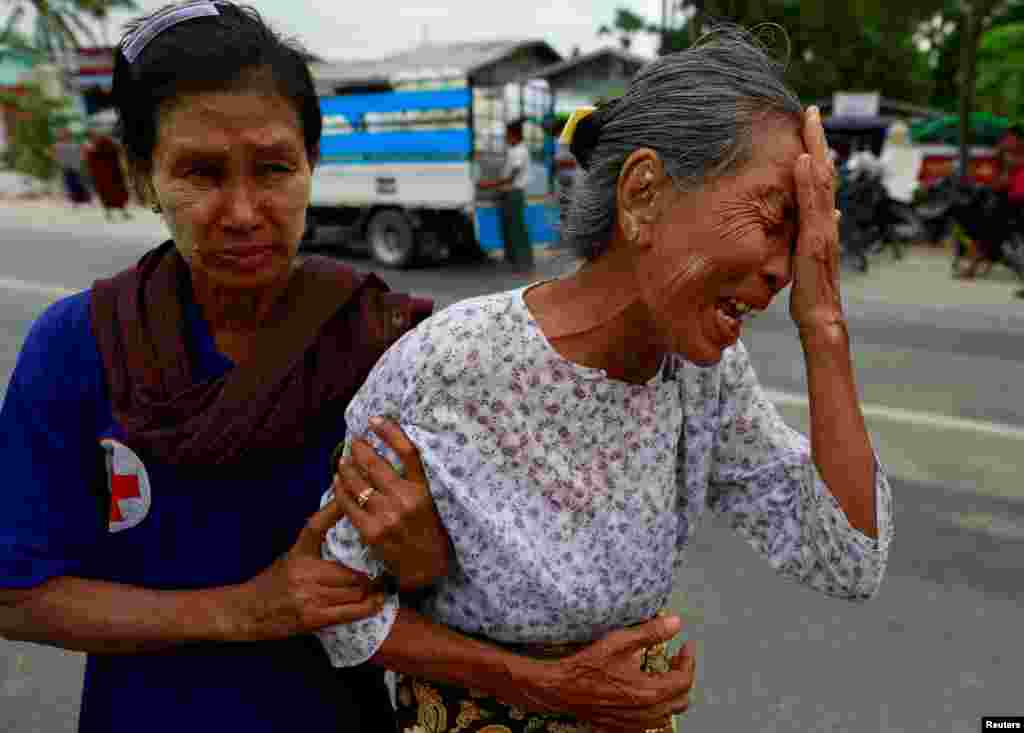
<point>198,529</point>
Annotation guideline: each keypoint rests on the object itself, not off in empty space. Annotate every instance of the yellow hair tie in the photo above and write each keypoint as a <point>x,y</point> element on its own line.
<point>570,125</point>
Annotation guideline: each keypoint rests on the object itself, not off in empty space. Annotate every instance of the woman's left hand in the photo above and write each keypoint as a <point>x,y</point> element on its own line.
<point>398,519</point>
<point>815,305</point>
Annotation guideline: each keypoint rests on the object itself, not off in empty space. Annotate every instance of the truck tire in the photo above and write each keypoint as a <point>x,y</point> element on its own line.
<point>308,240</point>
<point>465,248</point>
<point>391,238</point>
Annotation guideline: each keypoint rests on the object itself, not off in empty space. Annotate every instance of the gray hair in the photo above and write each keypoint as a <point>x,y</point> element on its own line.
<point>696,109</point>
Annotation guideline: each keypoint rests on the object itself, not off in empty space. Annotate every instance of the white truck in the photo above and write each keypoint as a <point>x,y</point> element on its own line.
<point>401,155</point>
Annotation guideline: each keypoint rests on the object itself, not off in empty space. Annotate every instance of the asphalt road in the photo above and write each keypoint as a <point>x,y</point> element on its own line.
<point>939,648</point>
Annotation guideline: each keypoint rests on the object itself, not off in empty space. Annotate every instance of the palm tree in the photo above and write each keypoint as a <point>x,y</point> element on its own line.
<point>60,26</point>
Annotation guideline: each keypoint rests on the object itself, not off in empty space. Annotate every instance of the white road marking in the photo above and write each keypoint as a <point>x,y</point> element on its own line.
<point>882,412</point>
<point>993,524</point>
<point>911,417</point>
<point>27,286</point>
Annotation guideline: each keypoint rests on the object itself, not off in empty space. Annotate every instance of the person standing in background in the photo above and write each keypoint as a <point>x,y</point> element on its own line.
<point>1011,164</point>
<point>68,155</point>
<point>901,164</point>
<point>515,178</point>
<point>1011,178</point>
<point>103,161</point>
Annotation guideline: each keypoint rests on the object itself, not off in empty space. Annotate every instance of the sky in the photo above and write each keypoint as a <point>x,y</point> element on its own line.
<point>351,29</point>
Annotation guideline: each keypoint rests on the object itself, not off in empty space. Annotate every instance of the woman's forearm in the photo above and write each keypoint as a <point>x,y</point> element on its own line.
<point>840,445</point>
<point>420,647</point>
<point>98,617</point>
<point>603,684</point>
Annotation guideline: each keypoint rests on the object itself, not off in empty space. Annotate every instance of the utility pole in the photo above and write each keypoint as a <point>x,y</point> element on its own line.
<point>696,20</point>
<point>664,27</point>
<point>968,57</point>
<point>976,14</point>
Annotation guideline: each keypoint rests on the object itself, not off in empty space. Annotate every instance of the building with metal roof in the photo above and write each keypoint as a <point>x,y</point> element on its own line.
<point>486,63</point>
<point>601,74</point>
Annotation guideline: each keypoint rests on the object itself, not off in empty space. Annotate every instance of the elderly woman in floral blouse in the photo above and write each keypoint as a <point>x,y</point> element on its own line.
<point>575,432</point>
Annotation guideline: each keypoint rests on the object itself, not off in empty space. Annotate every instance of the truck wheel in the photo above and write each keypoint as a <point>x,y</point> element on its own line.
<point>308,240</point>
<point>391,238</point>
<point>465,247</point>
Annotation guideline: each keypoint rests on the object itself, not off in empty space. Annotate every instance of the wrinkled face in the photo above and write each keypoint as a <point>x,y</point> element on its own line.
<point>231,174</point>
<point>724,248</point>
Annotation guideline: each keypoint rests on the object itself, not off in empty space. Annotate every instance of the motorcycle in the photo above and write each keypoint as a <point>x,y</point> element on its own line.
<point>989,219</point>
<point>872,221</point>
<point>933,210</point>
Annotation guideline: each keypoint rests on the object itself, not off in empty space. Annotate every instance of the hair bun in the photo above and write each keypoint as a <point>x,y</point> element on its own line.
<point>584,139</point>
<point>588,132</point>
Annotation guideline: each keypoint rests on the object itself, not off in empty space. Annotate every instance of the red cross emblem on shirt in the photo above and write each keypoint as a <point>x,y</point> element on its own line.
<point>128,483</point>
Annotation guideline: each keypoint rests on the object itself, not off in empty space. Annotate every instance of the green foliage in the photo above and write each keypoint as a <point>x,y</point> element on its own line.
<point>626,25</point>
<point>911,50</point>
<point>832,45</point>
<point>1001,70</point>
<point>996,91</point>
<point>13,40</point>
<point>60,26</point>
<point>857,45</point>
<point>36,117</point>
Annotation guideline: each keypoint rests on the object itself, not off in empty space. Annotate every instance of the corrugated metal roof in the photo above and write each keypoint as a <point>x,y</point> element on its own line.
<point>563,66</point>
<point>447,59</point>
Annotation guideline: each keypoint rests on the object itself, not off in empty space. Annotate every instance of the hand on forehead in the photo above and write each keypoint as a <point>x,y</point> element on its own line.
<point>814,137</point>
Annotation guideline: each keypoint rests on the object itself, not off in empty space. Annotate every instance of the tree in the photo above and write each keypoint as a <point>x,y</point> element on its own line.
<point>978,16</point>
<point>832,44</point>
<point>627,25</point>
<point>1000,86</point>
<point>970,74</point>
<point>35,117</point>
<point>60,26</point>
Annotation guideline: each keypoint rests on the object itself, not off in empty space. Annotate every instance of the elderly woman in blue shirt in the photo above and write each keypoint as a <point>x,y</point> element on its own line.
<point>575,432</point>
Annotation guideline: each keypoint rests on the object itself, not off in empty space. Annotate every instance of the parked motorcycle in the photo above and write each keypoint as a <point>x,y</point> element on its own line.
<point>992,222</point>
<point>872,221</point>
<point>933,210</point>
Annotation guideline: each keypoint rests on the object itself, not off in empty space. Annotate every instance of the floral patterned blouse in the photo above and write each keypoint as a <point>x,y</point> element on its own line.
<point>570,497</point>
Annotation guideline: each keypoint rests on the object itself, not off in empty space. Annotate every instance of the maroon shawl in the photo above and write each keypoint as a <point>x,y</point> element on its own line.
<point>318,345</point>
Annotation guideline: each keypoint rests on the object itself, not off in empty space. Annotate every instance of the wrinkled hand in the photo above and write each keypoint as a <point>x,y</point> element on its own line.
<point>815,304</point>
<point>604,684</point>
<point>301,592</point>
<point>399,520</point>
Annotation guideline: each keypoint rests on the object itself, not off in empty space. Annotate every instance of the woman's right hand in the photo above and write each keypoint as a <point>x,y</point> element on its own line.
<point>604,685</point>
<point>301,592</point>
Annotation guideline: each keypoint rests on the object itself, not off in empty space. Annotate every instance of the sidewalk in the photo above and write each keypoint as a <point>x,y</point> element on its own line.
<point>923,286</point>
<point>54,214</point>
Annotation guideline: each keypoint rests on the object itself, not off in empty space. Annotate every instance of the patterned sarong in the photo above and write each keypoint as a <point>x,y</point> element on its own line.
<point>425,706</point>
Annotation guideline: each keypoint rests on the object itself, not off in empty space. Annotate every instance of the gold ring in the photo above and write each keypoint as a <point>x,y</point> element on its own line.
<point>365,497</point>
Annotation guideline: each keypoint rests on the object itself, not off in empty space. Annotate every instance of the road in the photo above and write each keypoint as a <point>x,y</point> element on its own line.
<point>939,648</point>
